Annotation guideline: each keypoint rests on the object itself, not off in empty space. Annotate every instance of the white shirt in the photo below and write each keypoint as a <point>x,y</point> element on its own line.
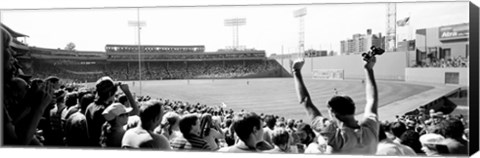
<point>346,140</point>
<point>388,147</point>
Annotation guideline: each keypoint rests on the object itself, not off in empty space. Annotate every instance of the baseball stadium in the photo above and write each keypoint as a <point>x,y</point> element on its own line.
<point>90,98</point>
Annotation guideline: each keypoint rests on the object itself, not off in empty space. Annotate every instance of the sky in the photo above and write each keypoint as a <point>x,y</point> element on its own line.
<point>268,27</point>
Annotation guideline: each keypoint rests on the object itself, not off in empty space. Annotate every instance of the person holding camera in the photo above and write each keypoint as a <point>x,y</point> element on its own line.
<point>344,133</point>
<point>106,89</point>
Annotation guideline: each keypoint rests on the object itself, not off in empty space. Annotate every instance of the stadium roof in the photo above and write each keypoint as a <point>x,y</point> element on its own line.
<point>13,33</point>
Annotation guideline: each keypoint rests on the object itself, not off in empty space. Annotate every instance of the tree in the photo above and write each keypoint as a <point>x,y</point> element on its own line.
<point>70,46</point>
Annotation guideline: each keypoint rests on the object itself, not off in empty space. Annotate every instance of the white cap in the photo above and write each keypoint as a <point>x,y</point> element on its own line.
<point>114,110</point>
<point>431,138</point>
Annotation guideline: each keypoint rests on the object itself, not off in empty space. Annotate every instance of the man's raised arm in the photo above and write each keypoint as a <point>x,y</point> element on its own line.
<point>302,92</point>
<point>371,88</point>
<point>130,99</point>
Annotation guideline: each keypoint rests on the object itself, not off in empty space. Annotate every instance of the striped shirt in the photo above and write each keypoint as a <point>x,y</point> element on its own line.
<point>190,142</point>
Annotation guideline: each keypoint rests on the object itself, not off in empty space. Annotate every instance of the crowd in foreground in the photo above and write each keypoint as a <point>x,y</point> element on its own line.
<point>43,112</point>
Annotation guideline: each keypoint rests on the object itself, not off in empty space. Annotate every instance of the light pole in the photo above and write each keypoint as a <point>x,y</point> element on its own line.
<point>235,22</point>
<point>300,14</point>
<point>139,25</point>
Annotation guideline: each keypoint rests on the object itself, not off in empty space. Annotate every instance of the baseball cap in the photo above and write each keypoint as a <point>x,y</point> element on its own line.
<point>105,84</point>
<point>431,138</point>
<point>114,110</point>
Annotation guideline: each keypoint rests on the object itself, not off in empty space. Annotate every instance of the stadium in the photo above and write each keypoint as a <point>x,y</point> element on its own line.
<point>415,80</point>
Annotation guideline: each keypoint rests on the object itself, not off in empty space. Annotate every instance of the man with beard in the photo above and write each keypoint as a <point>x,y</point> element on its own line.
<point>305,135</point>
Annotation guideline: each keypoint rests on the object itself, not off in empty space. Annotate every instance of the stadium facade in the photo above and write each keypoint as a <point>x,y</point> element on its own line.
<point>442,42</point>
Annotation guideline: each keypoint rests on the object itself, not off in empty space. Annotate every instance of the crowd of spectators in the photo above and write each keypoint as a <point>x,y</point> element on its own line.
<point>444,63</point>
<point>155,49</point>
<point>198,56</point>
<point>155,70</point>
<point>44,112</point>
<point>414,131</point>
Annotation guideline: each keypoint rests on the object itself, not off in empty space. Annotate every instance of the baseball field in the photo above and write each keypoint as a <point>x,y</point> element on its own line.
<point>273,95</point>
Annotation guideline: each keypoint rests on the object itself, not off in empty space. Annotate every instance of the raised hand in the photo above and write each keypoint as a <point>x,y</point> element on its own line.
<point>46,94</point>
<point>369,62</point>
<point>124,87</point>
<point>298,64</point>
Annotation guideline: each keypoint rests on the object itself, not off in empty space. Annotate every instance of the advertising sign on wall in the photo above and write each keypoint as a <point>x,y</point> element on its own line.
<point>451,32</point>
<point>328,74</point>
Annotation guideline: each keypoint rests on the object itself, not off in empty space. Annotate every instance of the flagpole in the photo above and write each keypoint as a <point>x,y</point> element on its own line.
<point>409,28</point>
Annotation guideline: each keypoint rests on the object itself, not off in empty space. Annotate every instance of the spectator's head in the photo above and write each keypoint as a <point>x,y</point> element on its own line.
<point>55,81</point>
<point>189,125</point>
<point>281,138</point>
<point>412,139</point>
<point>430,142</point>
<point>434,129</point>
<point>290,123</point>
<point>248,127</point>
<point>341,106</point>
<point>305,133</point>
<point>431,112</point>
<point>151,113</point>
<point>270,121</point>
<point>116,114</point>
<point>106,89</point>
<point>60,96</point>
<point>19,88</point>
<point>71,99</point>
<point>8,59</point>
<point>123,100</point>
<point>397,128</point>
<point>85,100</point>
<point>36,84</point>
<point>228,122</point>
<point>205,124</point>
<point>280,124</point>
<point>452,128</point>
<point>171,118</point>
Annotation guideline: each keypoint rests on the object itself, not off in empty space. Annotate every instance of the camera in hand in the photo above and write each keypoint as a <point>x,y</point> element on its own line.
<point>373,51</point>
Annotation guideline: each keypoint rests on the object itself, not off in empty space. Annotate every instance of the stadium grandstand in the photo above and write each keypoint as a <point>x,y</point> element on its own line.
<point>159,62</point>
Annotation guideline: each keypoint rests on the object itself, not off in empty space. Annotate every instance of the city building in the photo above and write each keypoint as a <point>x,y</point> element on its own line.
<point>360,43</point>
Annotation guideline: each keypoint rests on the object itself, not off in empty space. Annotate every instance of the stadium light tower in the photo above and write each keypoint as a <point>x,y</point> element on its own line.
<point>139,24</point>
<point>391,35</point>
<point>300,14</point>
<point>235,23</point>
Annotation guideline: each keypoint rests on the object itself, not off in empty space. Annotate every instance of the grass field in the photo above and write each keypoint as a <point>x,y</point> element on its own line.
<point>271,95</point>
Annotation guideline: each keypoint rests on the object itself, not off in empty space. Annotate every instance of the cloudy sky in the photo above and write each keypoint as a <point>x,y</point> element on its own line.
<point>93,24</point>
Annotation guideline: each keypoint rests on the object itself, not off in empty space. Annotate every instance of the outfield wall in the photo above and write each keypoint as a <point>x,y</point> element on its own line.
<point>389,66</point>
<point>436,75</point>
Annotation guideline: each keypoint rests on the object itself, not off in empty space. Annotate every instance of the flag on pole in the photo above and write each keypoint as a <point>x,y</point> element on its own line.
<point>403,22</point>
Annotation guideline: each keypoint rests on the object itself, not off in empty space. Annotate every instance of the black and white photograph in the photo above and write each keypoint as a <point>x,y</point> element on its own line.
<point>375,79</point>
